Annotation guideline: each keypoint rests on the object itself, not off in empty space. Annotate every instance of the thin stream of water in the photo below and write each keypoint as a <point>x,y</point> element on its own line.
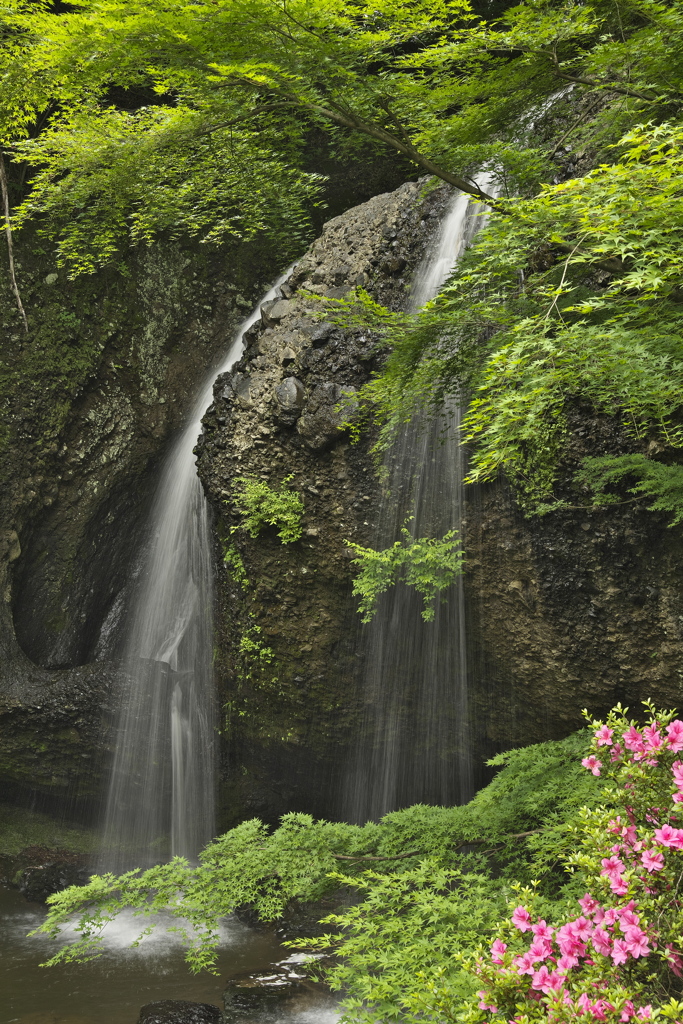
<point>160,801</point>
<point>414,741</point>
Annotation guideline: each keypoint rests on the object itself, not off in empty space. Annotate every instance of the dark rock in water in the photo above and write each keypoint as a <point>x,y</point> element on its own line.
<point>38,871</point>
<point>262,996</point>
<point>180,1011</point>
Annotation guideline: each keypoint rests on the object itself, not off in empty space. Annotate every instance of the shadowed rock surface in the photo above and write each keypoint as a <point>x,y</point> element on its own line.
<point>179,1011</point>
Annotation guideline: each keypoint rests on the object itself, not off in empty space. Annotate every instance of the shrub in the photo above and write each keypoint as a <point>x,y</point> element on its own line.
<point>261,506</point>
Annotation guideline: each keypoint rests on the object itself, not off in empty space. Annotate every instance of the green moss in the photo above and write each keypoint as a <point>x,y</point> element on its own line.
<point>20,828</point>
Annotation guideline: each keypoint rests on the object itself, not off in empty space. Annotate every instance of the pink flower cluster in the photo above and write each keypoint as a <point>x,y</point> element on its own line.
<point>576,969</point>
<point>611,932</point>
<point>644,746</point>
<point>608,932</point>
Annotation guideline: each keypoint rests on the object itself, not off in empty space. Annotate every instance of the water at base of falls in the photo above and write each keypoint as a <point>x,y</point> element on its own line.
<point>113,988</point>
<point>160,801</point>
<point>414,744</point>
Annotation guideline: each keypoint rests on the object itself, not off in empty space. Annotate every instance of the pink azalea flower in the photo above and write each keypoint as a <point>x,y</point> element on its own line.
<point>636,942</point>
<point>584,1004</point>
<point>588,904</point>
<point>632,739</point>
<point>581,928</point>
<point>604,736</point>
<point>612,867</point>
<point>652,737</point>
<point>677,771</point>
<point>668,836</point>
<point>592,764</point>
<point>569,944</point>
<point>629,833</point>
<point>645,1012</point>
<point>616,752</point>
<point>675,735</point>
<point>628,919</point>
<point>628,1010</point>
<point>652,861</point>
<point>619,885</point>
<point>566,962</point>
<point>544,981</point>
<point>601,1008</point>
<point>610,917</point>
<point>619,952</point>
<point>678,797</point>
<point>497,950</point>
<point>675,961</point>
<point>542,930</point>
<point>521,919</point>
<point>602,942</point>
<point>540,949</point>
<point>524,964</point>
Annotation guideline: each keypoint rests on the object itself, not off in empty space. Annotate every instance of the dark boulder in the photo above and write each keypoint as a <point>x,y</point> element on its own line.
<point>38,871</point>
<point>180,1011</point>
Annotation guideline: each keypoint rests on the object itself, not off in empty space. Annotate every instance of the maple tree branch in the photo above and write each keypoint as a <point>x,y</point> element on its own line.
<point>10,244</point>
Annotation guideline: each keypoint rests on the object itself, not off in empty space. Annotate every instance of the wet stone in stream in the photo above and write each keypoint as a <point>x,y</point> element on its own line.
<point>180,1011</point>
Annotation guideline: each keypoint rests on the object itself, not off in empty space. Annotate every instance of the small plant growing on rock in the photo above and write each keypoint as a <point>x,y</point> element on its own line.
<point>428,564</point>
<point>261,506</point>
<point>235,566</point>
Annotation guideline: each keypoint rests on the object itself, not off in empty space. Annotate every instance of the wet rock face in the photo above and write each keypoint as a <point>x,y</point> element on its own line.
<point>578,609</point>
<point>280,413</point>
<point>179,1011</point>
<point>87,430</point>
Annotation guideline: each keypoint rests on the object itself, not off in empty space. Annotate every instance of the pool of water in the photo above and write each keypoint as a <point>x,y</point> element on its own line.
<point>111,989</point>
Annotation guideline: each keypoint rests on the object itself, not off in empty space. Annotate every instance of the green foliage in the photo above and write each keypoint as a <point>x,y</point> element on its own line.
<point>126,185</point>
<point>596,318</point>
<point>538,788</point>
<point>261,506</point>
<point>232,560</point>
<point>193,117</point>
<point>428,564</point>
<point>407,930</point>
<point>654,480</point>
<point>252,648</point>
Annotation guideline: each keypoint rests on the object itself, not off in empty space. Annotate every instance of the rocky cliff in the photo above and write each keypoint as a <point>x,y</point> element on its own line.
<point>90,398</point>
<point>290,716</point>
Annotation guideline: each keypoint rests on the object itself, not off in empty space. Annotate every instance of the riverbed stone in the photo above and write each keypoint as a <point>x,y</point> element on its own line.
<point>180,1011</point>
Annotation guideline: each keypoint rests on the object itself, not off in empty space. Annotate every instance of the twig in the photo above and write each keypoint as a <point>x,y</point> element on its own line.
<point>10,245</point>
<point>390,856</point>
<point>414,853</point>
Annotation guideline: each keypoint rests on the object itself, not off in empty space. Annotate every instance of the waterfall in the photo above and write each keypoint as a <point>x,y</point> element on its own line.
<point>160,801</point>
<point>414,740</point>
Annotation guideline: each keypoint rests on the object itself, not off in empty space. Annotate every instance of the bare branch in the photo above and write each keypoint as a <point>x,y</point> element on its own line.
<point>10,245</point>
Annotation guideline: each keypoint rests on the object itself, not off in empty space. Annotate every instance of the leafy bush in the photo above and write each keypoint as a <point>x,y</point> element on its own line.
<point>261,506</point>
<point>621,949</point>
<point>538,788</point>
<point>427,564</point>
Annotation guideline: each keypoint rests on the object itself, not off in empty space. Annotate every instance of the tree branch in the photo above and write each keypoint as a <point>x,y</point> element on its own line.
<point>347,119</point>
<point>10,245</point>
<point>390,856</point>
<point>415,853</point>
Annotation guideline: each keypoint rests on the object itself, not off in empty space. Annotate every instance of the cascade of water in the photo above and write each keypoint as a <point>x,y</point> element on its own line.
<point>414,740</point>
<point>161,790</point>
